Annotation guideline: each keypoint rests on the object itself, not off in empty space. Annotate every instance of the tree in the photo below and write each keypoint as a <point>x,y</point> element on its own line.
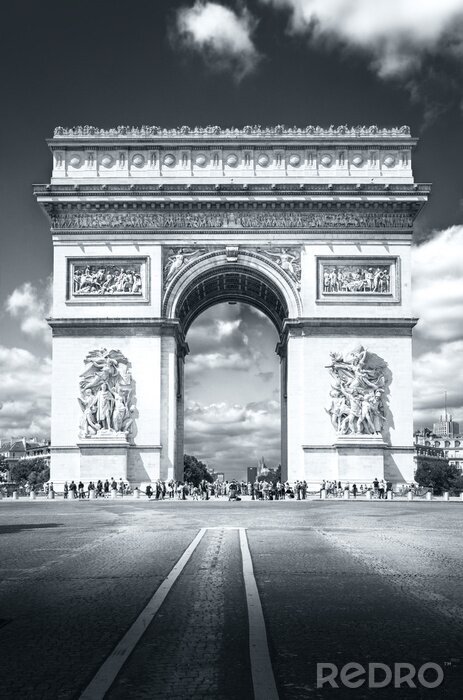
<point>195,471</point>
<point>4,469</point>
<point>273,475</point>
<point>438,476</point>
<point>35,470</point>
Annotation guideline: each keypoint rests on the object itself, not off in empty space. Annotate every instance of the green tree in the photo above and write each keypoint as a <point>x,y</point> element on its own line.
<point>438,476</point>
<point>195,471</point>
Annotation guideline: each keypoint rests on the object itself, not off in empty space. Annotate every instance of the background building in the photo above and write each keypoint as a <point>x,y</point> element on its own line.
<point>427,442</point>
<point>446,427</point>
<point>251,475</point>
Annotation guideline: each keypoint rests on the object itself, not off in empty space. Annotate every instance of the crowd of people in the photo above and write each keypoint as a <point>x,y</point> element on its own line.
<point>162,490</point>
<point>259,490</point>
<point>335,489</point>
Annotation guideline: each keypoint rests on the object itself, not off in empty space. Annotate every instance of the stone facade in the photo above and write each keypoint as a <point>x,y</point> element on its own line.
<point>151,226</point>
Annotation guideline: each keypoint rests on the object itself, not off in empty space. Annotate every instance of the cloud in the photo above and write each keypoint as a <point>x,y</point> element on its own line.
<point>31,305</point>
<point>265,376</point>
<point>438,337</point>
<point>438,286</point>
<point>396,34</point>
<point>434,373</point>
<point>231,437</point>
<point>222,36</point>
<point>24,393</point>
<point>222,342</point>
<point>238,362</point>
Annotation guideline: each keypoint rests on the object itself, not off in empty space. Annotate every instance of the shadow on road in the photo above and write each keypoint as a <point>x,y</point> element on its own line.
<point>11,529</point>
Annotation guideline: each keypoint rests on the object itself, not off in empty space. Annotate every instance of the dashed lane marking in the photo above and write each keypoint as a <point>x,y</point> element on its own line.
<point>106,675</point>
<point>263,679</point>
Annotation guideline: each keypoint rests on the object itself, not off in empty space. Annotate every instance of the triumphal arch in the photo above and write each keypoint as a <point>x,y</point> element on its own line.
<point>312,226</point>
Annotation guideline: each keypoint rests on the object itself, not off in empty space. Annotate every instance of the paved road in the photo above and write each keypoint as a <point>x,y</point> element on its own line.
<point>338,582</point>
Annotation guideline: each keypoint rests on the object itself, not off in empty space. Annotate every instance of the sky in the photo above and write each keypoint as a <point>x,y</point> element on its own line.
<point>293,62</point>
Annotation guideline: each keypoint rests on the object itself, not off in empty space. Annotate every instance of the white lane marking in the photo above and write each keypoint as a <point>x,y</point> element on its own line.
<point>106,675</point>
<point>263,680</point>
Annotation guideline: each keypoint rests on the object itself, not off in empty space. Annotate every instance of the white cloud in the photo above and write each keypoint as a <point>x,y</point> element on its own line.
<point>438,346</point>
<point>222,36</point>
<point>239,362</point>
<point>395,33</point>
<point>231,437</point>
<point>31,305</point>
<point>438,286</point>
<point>24,393</point>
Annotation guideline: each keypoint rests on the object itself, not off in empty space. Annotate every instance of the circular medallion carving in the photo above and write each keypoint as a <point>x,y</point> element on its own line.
<point>138,160</point>
<point>294,160</point>
<point>232,160</point>
<point>357,161</point>
<point>169,159</point>
<point>263,160</point>
<point>107,160</point>
<point>201,160</point>
<point>75,161</point>
<point>326,160</point>
<point>389,161</point>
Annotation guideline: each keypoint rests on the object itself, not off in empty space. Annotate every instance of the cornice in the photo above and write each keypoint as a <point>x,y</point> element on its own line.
<point>217,190</point>
<point>342,326</point>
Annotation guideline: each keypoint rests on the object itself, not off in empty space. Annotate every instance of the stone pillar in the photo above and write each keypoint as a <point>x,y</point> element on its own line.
<point>170,469</point>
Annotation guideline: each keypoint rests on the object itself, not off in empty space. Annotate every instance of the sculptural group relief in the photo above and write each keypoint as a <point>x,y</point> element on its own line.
<point>355,279</point>
<point>106,396</point>
<point>358,387</point>
<point>107,278</point>
<point>176,259</point>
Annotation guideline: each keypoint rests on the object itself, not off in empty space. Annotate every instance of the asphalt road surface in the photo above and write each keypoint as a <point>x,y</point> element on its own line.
<point>135,599</point>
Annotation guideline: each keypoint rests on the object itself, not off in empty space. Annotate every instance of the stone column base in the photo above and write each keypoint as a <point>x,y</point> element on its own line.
<point>103,458</point>
<point>360,458</point>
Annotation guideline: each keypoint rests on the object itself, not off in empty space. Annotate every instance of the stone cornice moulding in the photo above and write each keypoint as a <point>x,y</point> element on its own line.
<point>244,191</point>
<point>102,327</point>
<point>342,326</point>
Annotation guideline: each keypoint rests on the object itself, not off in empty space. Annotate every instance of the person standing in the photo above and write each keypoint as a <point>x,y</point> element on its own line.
<point>65,490</point>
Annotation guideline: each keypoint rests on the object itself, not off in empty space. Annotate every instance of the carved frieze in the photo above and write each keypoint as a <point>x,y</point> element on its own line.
<point>358,279</point>
<point>112,278</point>
<point>232,220</point>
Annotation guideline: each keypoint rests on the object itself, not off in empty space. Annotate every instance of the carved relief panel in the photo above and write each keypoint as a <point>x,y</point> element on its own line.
<point>358,280</point>
<point>107,279</point>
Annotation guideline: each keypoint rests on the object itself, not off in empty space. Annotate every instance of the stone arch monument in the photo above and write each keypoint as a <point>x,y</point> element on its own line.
<point>152,226</point>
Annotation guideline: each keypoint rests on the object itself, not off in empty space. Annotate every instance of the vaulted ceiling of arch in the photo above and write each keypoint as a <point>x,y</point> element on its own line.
<point>231,283</point>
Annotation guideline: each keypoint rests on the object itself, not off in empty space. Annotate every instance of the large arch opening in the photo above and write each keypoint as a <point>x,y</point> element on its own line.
<point>231,412</point>
<point>232,406</point>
